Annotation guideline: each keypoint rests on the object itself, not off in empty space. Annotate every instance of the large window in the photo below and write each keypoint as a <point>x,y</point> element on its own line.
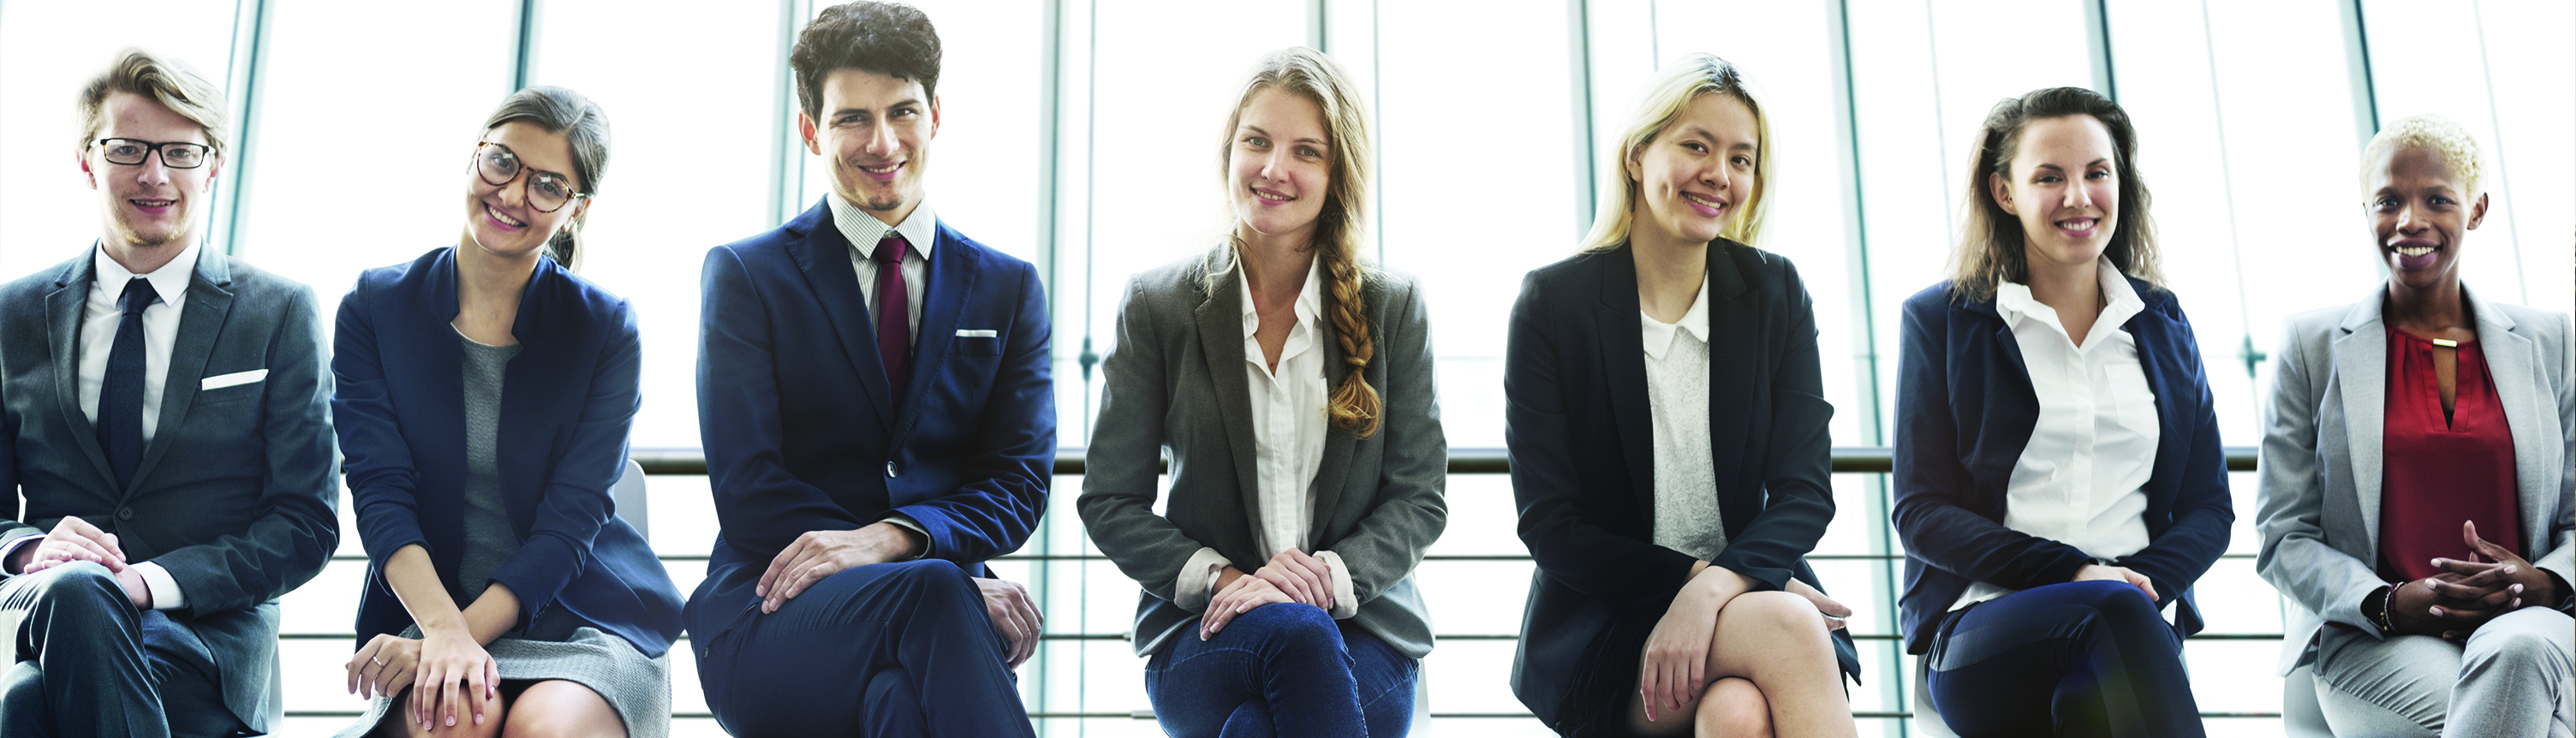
<point>1083,135</point>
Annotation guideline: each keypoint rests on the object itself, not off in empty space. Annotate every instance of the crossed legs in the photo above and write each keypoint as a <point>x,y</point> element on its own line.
<point>88,663</point>
<point>548,709</point>
<point>1772,672</point>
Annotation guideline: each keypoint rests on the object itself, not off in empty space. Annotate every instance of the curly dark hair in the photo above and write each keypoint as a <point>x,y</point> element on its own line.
<point>893,39</point>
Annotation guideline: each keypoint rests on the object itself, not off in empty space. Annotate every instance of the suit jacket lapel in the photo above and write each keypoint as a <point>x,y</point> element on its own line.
<point>63,311</point>
<point>1623,351</point>
<point>1735,345</point>
<point>2361,364</point>
<point>947,289</point>
<point>2513,361</point>
<point>1220,324</point>
<point>824,256</point>
<point>199,325</point>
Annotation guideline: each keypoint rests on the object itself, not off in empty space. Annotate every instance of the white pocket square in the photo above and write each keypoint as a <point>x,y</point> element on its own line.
<point>977,333</point>
<point>220,381</point>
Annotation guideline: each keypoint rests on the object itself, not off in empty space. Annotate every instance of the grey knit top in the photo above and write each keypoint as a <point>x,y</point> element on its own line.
<point>490,539</point>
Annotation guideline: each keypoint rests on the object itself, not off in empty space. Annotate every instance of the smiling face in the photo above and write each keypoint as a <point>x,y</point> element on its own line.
<point>2418,215</point>
<point>148,205</point>
<point>2063,185</point>
<point>498,218</point>
<point>1281,164</point>
<point>1695,176</point>
<point>876,131</point>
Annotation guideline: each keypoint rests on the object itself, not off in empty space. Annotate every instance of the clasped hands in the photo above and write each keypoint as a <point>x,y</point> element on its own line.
<point>75,539</point>
<point>2467,594</point>
<point>1291,576</point>
<point>819,554</point>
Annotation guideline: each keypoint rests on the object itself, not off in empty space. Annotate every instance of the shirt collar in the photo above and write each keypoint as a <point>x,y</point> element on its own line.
<point>863,230</point>
<point>170,281</point>
<point>1658,335</point>
<point>2121,301</point>
<point>1310,299</point>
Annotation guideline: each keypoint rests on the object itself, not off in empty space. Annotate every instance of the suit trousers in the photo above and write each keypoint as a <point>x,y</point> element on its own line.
<point>2088,658</point>
<point>885,651</point>
<point>2512,678</point>
<point>1281,670</point>
<point>89,663</point>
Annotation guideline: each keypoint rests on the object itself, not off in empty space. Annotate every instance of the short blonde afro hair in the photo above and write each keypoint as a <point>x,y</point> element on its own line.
<point>2436,134</point>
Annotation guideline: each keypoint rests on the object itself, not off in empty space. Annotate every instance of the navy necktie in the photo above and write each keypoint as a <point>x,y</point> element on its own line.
<point>894,314</point>
<point>120,398</point>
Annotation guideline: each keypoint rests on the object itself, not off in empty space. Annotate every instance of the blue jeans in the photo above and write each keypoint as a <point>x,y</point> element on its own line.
<point>1282,670</point>
<point>2076,659</point>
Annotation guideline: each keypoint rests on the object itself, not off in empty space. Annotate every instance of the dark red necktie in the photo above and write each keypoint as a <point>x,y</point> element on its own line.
<point>894,314</point>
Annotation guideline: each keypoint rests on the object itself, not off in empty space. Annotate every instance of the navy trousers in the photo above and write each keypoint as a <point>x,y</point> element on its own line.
<point>89,663</point>
<point>887,650</point>
<point>2086,658</point>
<point>1281,670</point>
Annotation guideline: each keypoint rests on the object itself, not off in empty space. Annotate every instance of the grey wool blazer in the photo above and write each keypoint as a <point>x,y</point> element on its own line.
<point>237,491</point>
<point>1175,386</point>
<point>2321,463</point>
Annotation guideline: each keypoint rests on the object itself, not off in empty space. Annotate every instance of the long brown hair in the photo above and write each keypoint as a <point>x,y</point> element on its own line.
<point>1991,242</point>
<point>1354,405</point>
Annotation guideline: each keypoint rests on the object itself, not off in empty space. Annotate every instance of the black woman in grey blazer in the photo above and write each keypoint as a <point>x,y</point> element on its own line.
<point>1307,458</point>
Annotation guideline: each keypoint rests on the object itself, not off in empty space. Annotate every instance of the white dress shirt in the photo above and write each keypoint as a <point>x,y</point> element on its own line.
<point>2079,481</point>
<point>864,231</point>
<point>1686,514</point>
<point>100,317</point>
<point>1289,426</point>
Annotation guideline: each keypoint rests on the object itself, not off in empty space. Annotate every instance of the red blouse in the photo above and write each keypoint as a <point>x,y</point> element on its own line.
<point>2442,470</point>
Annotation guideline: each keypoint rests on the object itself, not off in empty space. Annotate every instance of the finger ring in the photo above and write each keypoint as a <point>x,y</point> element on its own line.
<point>379,662</point>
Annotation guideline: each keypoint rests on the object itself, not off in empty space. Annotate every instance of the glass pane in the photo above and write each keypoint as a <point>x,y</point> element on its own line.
<point>48,212</point>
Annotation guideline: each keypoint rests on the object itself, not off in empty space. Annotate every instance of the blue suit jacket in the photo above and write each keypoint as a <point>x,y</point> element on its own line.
<point>1964,412</point>
<point>802,432</point>
<point>567,401</point>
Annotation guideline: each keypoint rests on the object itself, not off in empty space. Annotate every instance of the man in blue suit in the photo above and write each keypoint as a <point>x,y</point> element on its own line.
<point>874,399</point>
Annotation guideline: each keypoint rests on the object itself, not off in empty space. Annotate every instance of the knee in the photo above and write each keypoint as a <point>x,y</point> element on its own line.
<point>2120,602</point>
<point>22,684</point>
<point>1294,623</point>
<point>933,576</point>
<point>1733,708</point>
<point>2527,641</point>
<point>78,582</point>
<point>560,709</point>
<point>1778,614</point>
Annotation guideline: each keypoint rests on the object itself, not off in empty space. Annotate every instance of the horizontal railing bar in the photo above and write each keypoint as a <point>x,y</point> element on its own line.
<point>1432,557</point>
<point>1437,637</point>
<point>1149,715</point>
<point>1069,461</point>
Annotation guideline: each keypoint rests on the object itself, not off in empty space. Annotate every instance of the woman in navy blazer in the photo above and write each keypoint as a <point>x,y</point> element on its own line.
<point>2022,638</point>
<point>1711,624</point>
<point>566,612</point>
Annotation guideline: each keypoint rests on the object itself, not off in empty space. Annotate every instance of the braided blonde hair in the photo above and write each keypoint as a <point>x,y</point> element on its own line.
<point>1353,406</point>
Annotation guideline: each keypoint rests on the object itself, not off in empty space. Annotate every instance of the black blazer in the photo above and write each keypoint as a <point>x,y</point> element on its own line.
<point>235,492</point>
<point>1582,449</point>
<point>1964,412</point>
<point>569,397</point>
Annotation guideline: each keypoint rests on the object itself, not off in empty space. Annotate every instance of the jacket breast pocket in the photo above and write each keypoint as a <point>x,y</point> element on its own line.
<point>975,346</point>
<point>231,394</point>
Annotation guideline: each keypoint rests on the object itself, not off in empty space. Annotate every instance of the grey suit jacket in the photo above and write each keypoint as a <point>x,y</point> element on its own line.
<point>1175,385</point>
<point>2321,461</point>
<point>235,494</point>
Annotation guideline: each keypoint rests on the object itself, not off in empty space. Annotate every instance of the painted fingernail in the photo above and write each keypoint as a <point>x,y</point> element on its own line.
<point>2508,570</point>
<point>2517,589</point>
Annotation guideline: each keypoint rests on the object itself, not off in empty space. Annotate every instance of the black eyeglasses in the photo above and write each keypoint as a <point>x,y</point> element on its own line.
<point>174,154</point>
<point>547,191</point>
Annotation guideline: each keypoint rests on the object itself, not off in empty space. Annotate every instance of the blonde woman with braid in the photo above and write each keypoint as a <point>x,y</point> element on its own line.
<point>1290,385</point>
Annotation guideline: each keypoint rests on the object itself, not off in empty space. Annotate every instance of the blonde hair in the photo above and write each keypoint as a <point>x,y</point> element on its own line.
<point>1354,405</point>
<point>1672,90</point>
<point>1991,243</point>
<point>171,82</point>
<point>2436,134</point>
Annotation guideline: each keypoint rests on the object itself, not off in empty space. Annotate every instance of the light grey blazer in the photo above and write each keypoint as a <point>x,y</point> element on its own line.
<point>1174,386</point>
<point>2321,460</point>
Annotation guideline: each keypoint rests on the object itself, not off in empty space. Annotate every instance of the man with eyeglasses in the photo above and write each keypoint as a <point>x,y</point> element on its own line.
<point>166,421</point>
<point>879,422</point>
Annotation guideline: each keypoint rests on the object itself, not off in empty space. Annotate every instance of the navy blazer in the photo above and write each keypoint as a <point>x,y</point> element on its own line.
<point>803,434</point>
<point>1965,410</point>
<point>1581,436</point>
<point>567,401</point>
